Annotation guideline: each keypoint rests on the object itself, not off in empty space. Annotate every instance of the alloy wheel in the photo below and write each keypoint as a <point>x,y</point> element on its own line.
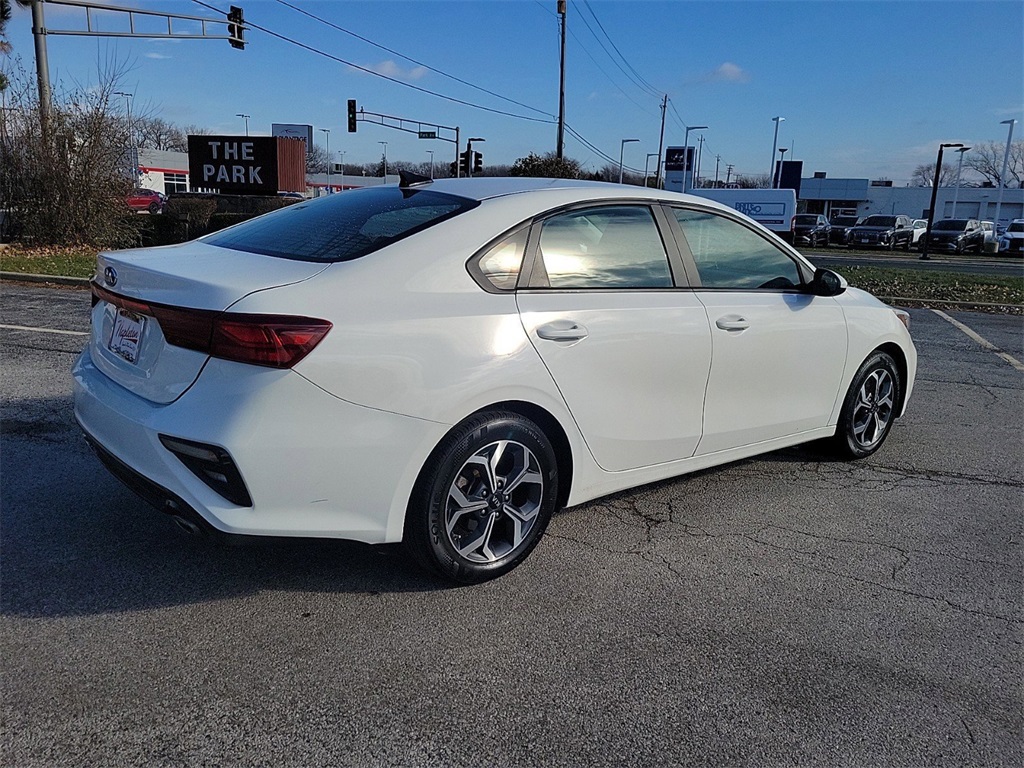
<point>873,409</point>
<point>494,501</point>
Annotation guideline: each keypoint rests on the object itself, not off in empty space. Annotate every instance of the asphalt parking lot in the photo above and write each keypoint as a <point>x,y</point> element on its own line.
<point>778,611</point>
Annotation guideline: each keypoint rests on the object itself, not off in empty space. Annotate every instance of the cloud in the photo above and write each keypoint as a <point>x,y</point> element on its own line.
<point>727,72</point>
<point>158,56</point>
<point>390,69</point>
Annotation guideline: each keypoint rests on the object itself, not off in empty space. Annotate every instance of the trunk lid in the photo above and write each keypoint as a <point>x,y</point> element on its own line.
<point>127,343</point>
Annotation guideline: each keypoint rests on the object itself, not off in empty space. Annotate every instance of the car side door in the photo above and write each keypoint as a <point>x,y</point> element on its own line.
<point>778,351</point>
<point>628,348</point>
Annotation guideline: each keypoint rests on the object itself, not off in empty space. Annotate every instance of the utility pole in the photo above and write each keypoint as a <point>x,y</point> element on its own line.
<point>728,173</point>
<point>718,159</point>
<point>700,151</point>
<point>560,146</point>
<point>42,65</point>
<point>661,142</point>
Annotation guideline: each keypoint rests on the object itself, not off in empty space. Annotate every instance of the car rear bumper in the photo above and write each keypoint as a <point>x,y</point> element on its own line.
<point>315,465</point>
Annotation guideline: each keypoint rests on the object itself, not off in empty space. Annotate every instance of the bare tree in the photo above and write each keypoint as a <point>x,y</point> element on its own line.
<point>752,181</point>
<point>316,159</point>
<point>67,185</point>
<point>986,158</point>
<point>155,133</point>
<point>924,175</point>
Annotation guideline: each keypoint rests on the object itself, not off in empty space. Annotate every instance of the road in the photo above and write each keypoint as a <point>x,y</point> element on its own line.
<point>774,612</point>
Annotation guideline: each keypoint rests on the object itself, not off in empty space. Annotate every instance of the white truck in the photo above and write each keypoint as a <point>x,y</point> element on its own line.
<point>772,208</point>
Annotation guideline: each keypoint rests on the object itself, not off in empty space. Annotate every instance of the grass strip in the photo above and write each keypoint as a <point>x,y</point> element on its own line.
<point>924,285</point>
<point>67,261</point>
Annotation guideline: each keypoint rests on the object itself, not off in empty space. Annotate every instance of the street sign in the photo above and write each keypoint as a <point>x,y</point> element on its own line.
<point>428,134</point>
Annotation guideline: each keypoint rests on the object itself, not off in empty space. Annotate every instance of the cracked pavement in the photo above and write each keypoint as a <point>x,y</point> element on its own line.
<point>785,610</point>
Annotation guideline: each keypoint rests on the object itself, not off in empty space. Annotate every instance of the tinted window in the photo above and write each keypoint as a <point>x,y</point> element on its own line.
<point>343,226</point>
<point>806,220</point>
<point>951,225</point>
<point>612,247</point>
<point>728,255</point>
<point>879,221</point>
<point>844,221</point>
<point>1017,226</point>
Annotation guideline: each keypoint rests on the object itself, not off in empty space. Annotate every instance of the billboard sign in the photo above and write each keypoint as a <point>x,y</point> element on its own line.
<point>234,165</point>
<point>293,131</point>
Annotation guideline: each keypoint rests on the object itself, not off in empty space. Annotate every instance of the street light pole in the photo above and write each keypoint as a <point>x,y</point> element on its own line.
<point>686,151</point>
<point>647,165</point>
<point>931,208</point>
<point>327,131</point>
<point>246,118</point>
<point>1002,176</point>
<point>343,170</point>
<point>777,182</point>
<point>775,145</point>
<point>131,136</point>
<point>959,166</point>
<point>385,160</point>
<point>622,149</point>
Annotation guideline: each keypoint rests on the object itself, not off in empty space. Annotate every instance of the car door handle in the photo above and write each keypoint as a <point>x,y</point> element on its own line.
<point>562,330</point>
<point>733,323</point>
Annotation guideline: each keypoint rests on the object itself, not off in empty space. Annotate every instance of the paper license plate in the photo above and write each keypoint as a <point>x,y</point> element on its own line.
<point>127,334</point>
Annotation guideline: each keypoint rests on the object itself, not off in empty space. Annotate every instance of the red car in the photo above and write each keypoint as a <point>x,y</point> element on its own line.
<point>146,200</point>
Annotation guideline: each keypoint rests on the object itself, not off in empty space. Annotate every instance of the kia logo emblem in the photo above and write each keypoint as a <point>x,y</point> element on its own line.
<point>110,275</point>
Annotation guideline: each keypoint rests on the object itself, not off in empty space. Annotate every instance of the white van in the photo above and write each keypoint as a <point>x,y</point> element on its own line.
<point>772,208</point>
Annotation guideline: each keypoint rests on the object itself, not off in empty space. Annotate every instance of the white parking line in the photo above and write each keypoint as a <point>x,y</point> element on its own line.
<point>985,343</point>
<point>43,330</point>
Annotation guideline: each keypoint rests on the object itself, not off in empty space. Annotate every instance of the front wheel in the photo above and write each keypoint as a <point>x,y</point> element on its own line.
<point>869,408</point>
<point>484,498</point>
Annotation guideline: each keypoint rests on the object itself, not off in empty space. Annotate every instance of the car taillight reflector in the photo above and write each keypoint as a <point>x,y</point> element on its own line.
<point>276,341</point>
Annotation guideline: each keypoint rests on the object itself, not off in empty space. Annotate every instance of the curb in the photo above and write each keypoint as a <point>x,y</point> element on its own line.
<point>27,277</point>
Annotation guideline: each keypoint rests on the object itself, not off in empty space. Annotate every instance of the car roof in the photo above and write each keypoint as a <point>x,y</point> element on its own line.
<point>490,187</point>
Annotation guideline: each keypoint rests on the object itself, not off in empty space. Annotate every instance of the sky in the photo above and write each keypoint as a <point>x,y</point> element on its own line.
<point>867,89</point>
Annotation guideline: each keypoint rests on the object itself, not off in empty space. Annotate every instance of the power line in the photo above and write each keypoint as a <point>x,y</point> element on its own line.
<point>410,59</point>
<point>368,71</point>
<point>427,91</point>
<point>653,91</point>
<point>604,47</point>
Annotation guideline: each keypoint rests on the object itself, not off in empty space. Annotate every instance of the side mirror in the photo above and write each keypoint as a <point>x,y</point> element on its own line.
<point>826,283</point>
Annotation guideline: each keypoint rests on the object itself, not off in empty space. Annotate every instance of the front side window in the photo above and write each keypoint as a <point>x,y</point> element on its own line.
<point>728,255</point>
<point>608,247</point>
<point>344,226</point>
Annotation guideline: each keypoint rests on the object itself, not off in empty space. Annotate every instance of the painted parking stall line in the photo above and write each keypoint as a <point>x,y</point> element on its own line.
<point>43,330</point>
<point>983,342</point>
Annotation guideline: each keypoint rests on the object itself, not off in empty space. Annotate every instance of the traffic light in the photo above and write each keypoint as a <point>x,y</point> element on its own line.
<point>453,167</point>
<point>351,115</point>
<point>478,162</point>
<point>236,28</point>
<point>464,163</point>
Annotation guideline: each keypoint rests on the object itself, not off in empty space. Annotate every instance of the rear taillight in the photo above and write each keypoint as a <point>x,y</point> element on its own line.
<point>276,341</point>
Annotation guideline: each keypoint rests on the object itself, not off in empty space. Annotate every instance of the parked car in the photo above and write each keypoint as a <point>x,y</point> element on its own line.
<point>147,200</point>
<point>957,235</point>
<point>811,229</point>
<point>841,226</point>
<point>988,228</point>
<point>920,226</point>
<point>1012,241</point>
<point>882,232</point>
<point>447,363</point>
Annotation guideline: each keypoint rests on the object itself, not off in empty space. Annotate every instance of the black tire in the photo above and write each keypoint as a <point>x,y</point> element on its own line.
<point>154,207</point>
<point>478,460</point>
<point>869,409</point>
<point>906,244</point>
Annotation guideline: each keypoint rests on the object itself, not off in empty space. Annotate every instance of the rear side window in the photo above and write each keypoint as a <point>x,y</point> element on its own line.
<point>344,226</point>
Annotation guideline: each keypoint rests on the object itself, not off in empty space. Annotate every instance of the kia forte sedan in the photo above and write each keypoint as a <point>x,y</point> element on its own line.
<point>447,363</point>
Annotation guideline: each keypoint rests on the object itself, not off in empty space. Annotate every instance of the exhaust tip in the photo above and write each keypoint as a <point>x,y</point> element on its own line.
<point>187,526</point>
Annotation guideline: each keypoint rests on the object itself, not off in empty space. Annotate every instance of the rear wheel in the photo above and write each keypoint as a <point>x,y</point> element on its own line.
<point>484,499</point>
<point>869,408</point>
<point>154,207</point>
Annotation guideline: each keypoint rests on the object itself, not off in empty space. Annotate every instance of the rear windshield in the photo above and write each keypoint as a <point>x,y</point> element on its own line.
<point>802,219</point>
<point>343,226</point>
<point>880,221</point>
<point>951,225</point>
<point>1017,226</point>
<point>845,221</point>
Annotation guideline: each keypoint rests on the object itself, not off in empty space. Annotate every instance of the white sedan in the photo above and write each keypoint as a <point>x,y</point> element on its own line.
<point>447,363</point>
